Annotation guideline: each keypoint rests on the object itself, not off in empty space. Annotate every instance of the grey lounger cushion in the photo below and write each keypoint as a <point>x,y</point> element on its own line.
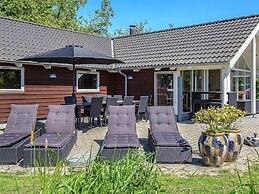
<point>121,138</point>
<point>61,119</point>
<point>61,136</point>
<point>170,139</point>
<point>164,138</point>
<point>21,118</point>
<point>54,140</point>
<point>122,120</point>
<point>9,139</point>
<point>122,141</point>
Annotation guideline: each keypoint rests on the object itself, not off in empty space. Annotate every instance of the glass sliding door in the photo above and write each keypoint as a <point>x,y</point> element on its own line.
<point>164,89</point>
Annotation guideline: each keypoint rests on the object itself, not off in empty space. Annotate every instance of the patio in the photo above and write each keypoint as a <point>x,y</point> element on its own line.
<point>92,139</point>
<point>191,132</point>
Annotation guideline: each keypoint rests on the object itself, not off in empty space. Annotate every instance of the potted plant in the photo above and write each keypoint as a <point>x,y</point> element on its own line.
<point>230,118</point>
<point>213,144</point>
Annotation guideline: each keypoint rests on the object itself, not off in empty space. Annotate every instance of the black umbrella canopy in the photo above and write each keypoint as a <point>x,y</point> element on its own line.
<point>72,54</point>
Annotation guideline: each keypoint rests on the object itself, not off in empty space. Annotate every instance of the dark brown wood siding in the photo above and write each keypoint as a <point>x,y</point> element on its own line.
<point>39,89</point>
<point>141,84</point>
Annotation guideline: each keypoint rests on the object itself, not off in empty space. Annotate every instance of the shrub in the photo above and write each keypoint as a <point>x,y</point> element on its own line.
<point>212,118</point>
<point>219,119</point>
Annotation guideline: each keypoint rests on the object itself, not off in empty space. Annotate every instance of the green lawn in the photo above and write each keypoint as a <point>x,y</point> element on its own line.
<point>224,183</point>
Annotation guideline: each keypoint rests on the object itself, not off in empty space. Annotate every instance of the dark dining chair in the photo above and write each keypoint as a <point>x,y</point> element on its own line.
<point>142,107</point>
<point>128,100</point>
<point>69,100</point>
<point>119,97</point>
<point>104,97</point>
<point>95,110</point>
<point>87,99</point>
<point>111,101</point>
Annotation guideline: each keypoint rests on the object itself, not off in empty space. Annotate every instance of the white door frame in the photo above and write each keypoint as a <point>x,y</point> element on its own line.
<point>176,74</point>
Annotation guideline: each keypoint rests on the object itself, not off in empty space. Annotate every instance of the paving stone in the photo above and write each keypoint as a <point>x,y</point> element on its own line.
<point>90,140</point>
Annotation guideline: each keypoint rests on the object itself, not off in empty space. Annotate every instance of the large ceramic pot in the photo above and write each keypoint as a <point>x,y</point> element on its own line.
<point>213,148</point>
<point>235,142</point>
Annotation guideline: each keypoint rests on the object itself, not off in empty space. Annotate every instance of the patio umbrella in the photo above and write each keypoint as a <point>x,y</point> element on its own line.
<point>73,55</point>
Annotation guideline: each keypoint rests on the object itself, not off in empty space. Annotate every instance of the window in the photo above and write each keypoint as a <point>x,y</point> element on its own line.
<point>241,80</point>
<point>10,79</point>
<point>88,81</point>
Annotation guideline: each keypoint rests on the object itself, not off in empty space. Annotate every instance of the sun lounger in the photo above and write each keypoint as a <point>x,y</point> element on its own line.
<point>164,138</point>
<point>121,137</point>
<point>58,140</point>
<point>21,120</point>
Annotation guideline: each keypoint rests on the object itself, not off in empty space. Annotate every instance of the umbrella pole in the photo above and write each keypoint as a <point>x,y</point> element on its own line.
<point>74,79</point>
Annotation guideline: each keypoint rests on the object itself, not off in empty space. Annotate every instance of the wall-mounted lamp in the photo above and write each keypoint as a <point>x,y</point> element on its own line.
<point>130,77</point>
<point>52,76</point>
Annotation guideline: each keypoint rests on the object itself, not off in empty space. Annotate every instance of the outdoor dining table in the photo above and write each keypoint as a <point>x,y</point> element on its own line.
<point>80,106</point>
<point>135,102</point>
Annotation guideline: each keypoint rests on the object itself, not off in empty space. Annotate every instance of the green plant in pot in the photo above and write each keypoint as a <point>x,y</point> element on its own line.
<point>231,117</point>
<point>213,144</point>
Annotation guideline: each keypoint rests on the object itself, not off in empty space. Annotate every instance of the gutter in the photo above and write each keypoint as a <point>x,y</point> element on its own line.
<point>125,82</point>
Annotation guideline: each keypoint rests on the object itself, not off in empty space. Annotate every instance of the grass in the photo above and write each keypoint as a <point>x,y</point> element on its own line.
<point>131,175</point>
<point>226,182</point>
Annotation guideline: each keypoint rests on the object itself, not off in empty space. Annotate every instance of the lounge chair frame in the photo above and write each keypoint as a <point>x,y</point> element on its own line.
<point>14,153</point>
<point>50,156</point>
<point>169,153</point>
<point>119,152</point>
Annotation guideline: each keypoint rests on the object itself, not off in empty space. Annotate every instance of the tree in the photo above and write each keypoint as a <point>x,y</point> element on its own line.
<point>140,29</point>
<point>170,26</point>
<point>32,11</point>
<point>65,13</point>
<point>59,13</point>
<point>99,22</point>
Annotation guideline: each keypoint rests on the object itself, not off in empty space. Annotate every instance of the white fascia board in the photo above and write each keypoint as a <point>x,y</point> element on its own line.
<point>47,66</point>
<point>136,70</point>
<point>18,64</point>
<point>203,66</point>
<point>244,46</point>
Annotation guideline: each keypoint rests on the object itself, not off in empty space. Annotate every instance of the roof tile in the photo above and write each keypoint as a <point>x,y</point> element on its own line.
<point>214,42</point>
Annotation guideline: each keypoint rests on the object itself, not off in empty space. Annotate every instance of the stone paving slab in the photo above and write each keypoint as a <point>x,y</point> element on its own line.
<point>91,139</point>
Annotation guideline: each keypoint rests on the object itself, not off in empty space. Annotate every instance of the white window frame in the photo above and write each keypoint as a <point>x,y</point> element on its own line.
<point>88,90</point>
<point>21,81</point>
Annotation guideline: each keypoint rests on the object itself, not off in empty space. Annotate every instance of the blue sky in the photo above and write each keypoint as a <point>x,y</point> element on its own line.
<point>159,13</point>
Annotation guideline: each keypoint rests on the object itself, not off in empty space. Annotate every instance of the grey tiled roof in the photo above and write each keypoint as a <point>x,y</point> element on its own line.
<point>215,42</point>
<point>19,39</point>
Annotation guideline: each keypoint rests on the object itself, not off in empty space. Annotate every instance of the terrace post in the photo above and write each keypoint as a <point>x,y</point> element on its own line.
<point>253,78</point>
<point>225,85</point>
